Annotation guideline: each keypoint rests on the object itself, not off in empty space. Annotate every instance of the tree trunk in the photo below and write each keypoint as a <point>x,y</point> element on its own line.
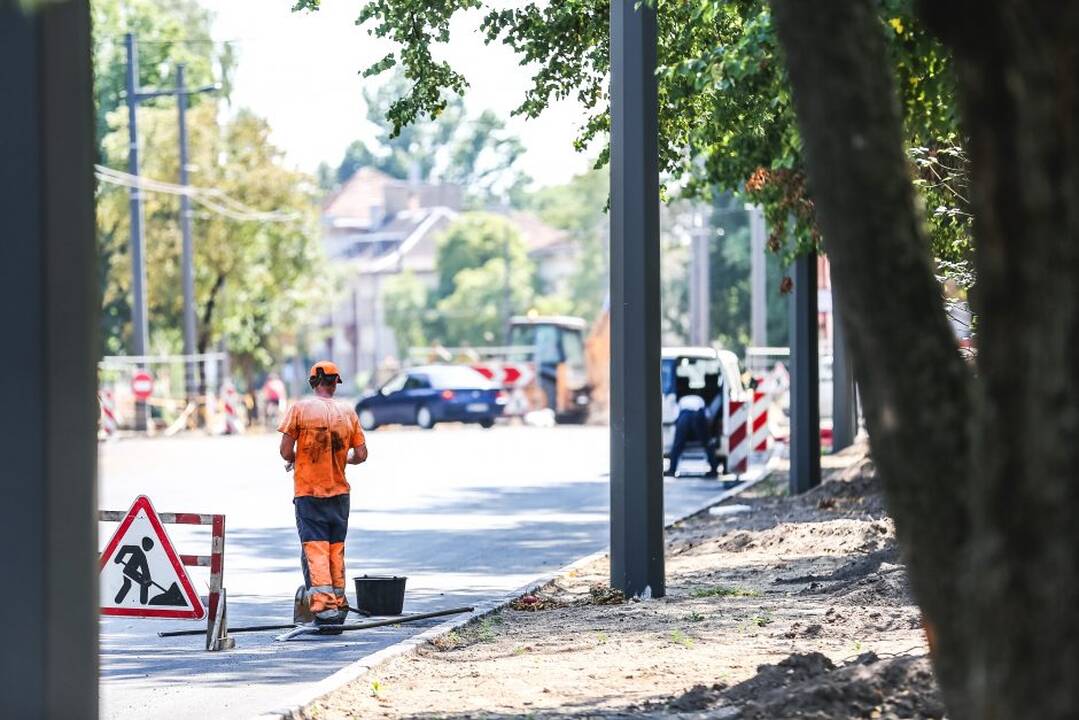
<point>1018,71</point>
<point>979,473</point>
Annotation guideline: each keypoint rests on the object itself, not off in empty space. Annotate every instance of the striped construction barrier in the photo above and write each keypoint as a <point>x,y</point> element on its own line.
<point>216,629</point>
<point>110,424</point>
<point>758,421</point>
<point>230,404</point>
<point>738,441</point>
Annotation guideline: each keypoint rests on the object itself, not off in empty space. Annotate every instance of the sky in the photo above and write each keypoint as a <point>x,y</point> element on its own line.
<point>302,72</point>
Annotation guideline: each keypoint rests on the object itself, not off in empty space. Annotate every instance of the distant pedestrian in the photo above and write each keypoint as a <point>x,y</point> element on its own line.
<point>274,397</point>
<point>319,436</point>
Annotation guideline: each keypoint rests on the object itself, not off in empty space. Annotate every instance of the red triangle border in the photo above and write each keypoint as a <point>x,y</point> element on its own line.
<point>198,612</point>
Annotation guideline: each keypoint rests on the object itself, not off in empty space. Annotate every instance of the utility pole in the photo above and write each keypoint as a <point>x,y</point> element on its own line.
<point>182,93</point>
<point>700,279</point>
<point>758,297</point>
<point>138,263</point>
<point>139,324</point>
<point>507,309</point>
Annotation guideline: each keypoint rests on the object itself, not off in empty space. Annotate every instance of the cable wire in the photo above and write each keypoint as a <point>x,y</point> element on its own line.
<point>212,199</point>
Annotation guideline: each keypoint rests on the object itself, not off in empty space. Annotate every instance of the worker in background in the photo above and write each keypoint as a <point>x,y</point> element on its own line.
<point>696,421</point>
<point>319,436</point>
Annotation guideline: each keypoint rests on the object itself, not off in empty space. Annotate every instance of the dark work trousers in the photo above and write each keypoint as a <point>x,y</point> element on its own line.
<point>323,524</point>
<point>692,425</point>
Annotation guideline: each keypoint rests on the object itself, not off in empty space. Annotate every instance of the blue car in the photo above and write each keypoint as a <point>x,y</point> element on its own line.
<point>432,394</point>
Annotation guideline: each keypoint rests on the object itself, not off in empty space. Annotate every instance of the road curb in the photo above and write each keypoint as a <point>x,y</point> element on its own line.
<point>296,708</point>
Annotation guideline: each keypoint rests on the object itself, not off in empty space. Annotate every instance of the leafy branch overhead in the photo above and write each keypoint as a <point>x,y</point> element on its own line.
<point>725,115</point>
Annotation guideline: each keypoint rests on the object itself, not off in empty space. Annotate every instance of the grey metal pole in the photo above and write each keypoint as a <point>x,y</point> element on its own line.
<point>805,378</point>
<point>758,292</point>
<point>139,321</point>
<point>188,252</point>
<point>700,278</point>
<point>844,408</point>
<point>637,565</point>
<point>49,302</point>
<point>507,304</point>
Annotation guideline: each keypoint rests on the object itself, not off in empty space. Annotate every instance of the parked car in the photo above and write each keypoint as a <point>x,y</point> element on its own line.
<point>432,394</point>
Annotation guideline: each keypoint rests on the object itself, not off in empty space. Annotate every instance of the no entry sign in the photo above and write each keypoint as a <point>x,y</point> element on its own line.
<point>142,384</point>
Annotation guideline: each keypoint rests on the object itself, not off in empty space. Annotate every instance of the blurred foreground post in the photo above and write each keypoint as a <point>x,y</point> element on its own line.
<point>636,450</point>
<point>48,658</point>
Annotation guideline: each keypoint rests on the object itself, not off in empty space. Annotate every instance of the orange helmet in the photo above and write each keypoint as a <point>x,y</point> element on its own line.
<point>325,367</point>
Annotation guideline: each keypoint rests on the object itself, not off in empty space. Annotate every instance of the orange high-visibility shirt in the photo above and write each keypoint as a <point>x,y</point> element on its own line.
<point>324,430</point>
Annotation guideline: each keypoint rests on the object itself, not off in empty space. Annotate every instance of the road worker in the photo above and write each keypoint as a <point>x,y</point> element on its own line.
<point>319,436</point>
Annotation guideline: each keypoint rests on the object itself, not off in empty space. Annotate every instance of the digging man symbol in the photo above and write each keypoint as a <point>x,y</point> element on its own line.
<point>137,570</point>
<point>319,436</point>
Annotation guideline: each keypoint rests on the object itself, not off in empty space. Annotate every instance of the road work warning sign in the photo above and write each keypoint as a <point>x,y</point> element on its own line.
<point>140,573</point>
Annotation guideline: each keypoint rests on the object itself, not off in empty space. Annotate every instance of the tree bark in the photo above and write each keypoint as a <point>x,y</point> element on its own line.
<point>915,387</point>
<point>980,474</point>
<point>1018,72</point>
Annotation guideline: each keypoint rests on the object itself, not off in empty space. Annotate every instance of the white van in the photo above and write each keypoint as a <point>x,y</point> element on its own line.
<point>712,374</point>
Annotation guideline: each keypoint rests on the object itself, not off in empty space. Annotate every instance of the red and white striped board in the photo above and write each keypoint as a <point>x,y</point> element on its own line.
<point>758,421</point>
<point>110,423</point>
<point>230,402</point>
<point>738,439</point>
<point>506,374</point>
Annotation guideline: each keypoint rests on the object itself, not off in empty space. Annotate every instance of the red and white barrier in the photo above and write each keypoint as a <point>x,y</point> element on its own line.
<point>738,440</point>
<point>513,377</point>
<point>230,404</point>
<point>110,423</point>
<point>758,421</point>
<point>216,632</point>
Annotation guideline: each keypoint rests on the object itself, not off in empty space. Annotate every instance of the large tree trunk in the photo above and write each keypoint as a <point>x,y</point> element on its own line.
<point>979,473</point>
<point>1018,71</point>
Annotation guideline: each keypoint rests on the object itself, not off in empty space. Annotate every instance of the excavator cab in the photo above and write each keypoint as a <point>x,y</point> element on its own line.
<point>555,344</point>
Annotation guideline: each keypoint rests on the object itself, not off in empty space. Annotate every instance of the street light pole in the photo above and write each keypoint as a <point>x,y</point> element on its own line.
<point>700,278</point>
<point>139,323</point>
<point>758,294</point>
<point>637,565</point>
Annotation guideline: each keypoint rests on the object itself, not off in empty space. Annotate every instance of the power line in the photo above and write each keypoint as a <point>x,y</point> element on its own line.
<point>212,199</point>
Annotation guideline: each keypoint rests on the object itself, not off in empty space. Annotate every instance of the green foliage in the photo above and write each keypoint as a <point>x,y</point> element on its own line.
<point>724,591</point>
<point>726,120</point>
<point>478,154</point>
<point>253,281</point>
<point>167,34</point>
<point>473,241</point>
<point>472,285</point>
<point>404,302</point>
<point>577,207</point>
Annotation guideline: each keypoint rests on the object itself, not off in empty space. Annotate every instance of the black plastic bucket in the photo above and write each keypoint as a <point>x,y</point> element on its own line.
<point>380,594</point>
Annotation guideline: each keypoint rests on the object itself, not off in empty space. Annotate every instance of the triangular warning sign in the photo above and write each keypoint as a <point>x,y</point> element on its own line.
<point>140,573</point>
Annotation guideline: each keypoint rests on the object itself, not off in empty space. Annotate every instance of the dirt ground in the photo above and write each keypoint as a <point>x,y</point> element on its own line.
<point>781,608</point>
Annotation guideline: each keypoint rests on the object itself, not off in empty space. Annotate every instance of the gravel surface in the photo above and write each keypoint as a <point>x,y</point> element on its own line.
<point>796,608</point>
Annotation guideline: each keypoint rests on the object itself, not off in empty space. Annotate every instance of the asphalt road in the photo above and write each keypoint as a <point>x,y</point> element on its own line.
<point>467,514</point>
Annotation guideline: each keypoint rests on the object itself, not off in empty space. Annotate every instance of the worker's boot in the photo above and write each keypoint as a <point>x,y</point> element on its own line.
<point>329,621</point>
